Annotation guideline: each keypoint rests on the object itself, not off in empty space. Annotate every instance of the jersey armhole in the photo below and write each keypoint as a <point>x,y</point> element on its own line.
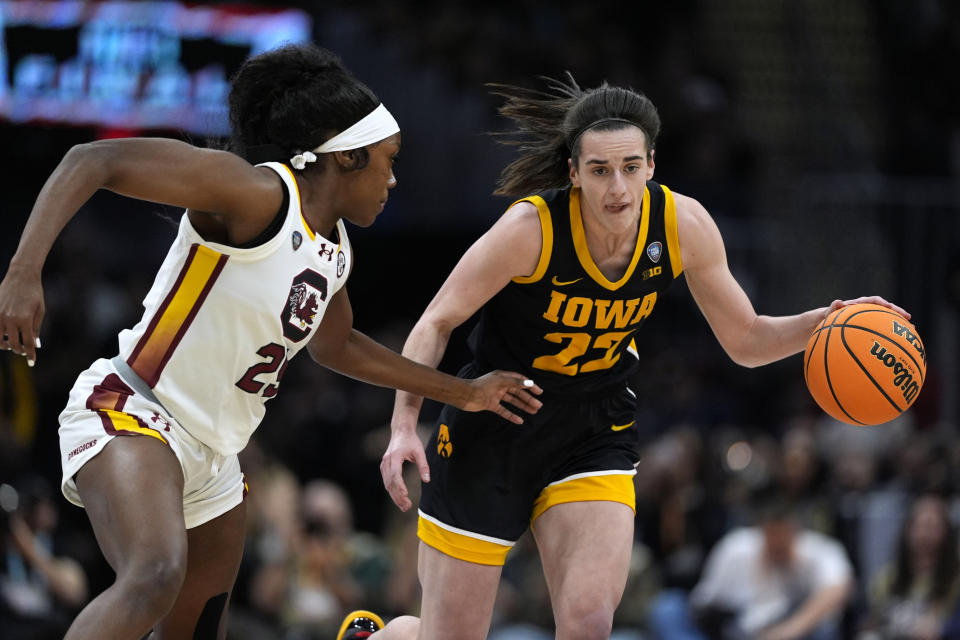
<point>546,240</point>
<point>670,225</point>
<point>275,225</point>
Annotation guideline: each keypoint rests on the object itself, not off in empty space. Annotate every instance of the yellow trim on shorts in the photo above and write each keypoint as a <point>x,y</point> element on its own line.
<point>611,488</point>
<point>125,423</point>
<point>546,240</point>
<point>460,546</point>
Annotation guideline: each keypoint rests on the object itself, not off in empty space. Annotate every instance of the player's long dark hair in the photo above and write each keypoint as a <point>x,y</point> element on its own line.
<point>549,125</point>
<point>292,99</point>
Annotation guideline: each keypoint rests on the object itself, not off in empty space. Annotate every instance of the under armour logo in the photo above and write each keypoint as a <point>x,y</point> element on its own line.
<point>326,253</point>
<point>156,419</point>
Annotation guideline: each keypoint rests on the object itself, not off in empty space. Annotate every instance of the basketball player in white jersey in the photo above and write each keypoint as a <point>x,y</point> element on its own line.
<point>256,273</point>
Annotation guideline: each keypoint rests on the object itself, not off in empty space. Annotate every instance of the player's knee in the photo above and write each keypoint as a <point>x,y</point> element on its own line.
<point>155,582</point>
<point>585,621</point>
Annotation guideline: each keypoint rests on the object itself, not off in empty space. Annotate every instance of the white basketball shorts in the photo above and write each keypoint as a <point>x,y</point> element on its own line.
<point>103,406</point>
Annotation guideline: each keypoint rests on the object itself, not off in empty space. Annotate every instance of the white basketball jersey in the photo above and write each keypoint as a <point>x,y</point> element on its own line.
<point>221,323</point>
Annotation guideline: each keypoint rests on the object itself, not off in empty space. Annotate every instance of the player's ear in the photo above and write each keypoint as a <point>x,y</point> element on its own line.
<point>351,159</point>
<point>574,174</point>
<point>651,164</point>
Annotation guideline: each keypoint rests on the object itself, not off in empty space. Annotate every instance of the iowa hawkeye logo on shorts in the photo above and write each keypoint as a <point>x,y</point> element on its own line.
<point>444,446</point>
<point>307,291</point>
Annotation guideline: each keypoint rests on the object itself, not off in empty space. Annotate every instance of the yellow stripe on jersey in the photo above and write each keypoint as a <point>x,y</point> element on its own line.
<point>125,423</point>
<point>306,225</point>
<point>461,546</point>
<point>583,252</point>
<point>546,243</point>
<point>616,487</point>
<point>154,347</point>
<point>673,238</point>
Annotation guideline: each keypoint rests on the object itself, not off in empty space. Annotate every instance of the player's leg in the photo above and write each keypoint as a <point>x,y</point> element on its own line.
<point>214,552</point>
<point>585,548</point>
<point>457,602</point>
<point>458,596</point>
<point>133,493</point>
<point>471,512</point>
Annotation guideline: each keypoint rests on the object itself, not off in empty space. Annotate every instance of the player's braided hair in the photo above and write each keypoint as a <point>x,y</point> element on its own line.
<point>292,99</point>
<point>549,125</point>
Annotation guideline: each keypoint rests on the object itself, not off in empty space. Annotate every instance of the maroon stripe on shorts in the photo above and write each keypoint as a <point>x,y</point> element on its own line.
<point>112,393</point>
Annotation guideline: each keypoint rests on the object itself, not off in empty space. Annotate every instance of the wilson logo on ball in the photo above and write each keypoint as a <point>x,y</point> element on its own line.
<point>864,364</point>
<point>901,376</point>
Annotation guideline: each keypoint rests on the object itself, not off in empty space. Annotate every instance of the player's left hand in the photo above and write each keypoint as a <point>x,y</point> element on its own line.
<point>837,304</point>
<point>487,392</point>
<point>405,446</point>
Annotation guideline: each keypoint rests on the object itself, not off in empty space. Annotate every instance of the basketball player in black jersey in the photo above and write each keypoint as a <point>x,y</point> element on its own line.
<point>564,278</point>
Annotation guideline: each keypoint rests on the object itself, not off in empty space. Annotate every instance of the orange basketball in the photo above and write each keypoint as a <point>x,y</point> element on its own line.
<point>864,364</point>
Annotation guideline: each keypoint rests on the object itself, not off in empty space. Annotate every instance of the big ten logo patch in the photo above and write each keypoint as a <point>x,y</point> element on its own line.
<point>649,273</point>
<point>444,446</point>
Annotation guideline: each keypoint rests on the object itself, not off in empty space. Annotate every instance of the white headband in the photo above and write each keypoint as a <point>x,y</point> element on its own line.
<point>373,127</point>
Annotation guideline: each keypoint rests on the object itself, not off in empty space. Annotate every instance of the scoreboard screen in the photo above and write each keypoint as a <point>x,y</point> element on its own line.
<point>132,65</point>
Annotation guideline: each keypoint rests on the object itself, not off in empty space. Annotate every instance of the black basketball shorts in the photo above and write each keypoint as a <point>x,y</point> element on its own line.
<point>490,478</point>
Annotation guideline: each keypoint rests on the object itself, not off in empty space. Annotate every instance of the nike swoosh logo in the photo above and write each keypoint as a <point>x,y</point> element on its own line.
<point>560,284</point>
<point>621,427</point>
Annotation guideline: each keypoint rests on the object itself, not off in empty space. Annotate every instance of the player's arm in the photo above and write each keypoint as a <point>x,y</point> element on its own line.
<point>748,338</point>
<point>510,248</point>
<point>338,346</point>
<point>243,198</point>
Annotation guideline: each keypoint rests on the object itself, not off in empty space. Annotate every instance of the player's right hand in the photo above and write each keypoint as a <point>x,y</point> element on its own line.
<point>488,392</point>
<point>21,312</point>
<point>405,446</point>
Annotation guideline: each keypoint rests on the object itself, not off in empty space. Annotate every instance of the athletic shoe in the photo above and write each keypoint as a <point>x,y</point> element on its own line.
<point>359,624</point>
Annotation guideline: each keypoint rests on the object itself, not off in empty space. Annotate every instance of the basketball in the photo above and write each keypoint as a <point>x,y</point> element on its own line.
<point>864,364</point>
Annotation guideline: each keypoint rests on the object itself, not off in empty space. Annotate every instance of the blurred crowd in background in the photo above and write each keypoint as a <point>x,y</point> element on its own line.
<point>823,136</point>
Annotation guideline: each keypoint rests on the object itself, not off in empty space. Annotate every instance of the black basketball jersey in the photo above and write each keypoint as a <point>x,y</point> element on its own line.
<point>566,326</point>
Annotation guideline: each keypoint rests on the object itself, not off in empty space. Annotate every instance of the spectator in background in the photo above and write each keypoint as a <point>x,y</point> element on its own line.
<point>775,581</point>
<point>916,597</point>
<point>336,568</point>
<point>680,513</point>
<point>800,478</point>
<point>38,589</point>
<point>273,529</point>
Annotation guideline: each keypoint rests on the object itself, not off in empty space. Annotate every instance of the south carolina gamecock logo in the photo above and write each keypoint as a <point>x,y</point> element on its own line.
<point>307,291</point>
<point>303,305</point>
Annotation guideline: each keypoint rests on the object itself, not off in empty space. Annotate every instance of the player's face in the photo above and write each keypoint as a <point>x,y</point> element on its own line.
<point>369,187</point>
<point>612,173</point>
